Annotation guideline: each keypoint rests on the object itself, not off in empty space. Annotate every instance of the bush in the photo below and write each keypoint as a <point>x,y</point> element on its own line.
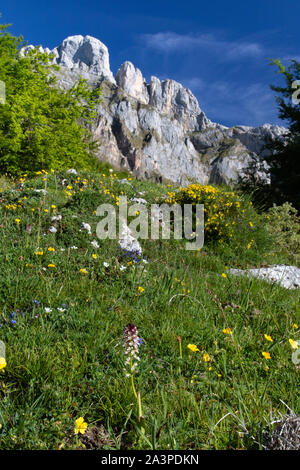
<point>284,225</point>
<point>224,210</point>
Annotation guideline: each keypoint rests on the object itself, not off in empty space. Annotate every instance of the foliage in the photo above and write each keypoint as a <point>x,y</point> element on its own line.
<point>284,224</point>
<point>283,153</point>
<point>63,313</point>
<point>42,126</point>
<point>226,213</point>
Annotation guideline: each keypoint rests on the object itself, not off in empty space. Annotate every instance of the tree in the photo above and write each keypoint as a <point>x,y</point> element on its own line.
<point>284,158</point>
<point>42,126</point>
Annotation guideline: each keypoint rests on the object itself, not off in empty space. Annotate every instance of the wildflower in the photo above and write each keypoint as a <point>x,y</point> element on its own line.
<point>224,275</point>
<point>53,206</point>
<point>48,310</point>
<point>206,357</point>
<point>73,248</point>
<point>95,244</point>
<point>94,256</point>
<point>294,344</point>
<point>2,363</point>
<point>227,331</point>
<point>266,355</point>
<point>18,221</point>
<point>268,338</point>
<point>52,229</point>
<point>122,268</point>
<point>251,224</point>
<point>141,289</point>
<point>51,265</point>
<point>51,248</point>
<point>131,348</point>
<point>106,265</point>
<point>40,253</point>
<point>295,325</point>
<point>85,226</point>
<point>80,426</point>
<point>36,302</point>
<point>83,271</point>
<point>192,347</point>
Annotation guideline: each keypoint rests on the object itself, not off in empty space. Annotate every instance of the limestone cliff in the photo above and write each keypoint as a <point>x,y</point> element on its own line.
<point>157,130</point>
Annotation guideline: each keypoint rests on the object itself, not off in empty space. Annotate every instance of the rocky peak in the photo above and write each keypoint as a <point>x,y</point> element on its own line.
<point>131,80</point>
<point>86,54</point>
<point>158,130</point>
<point>83,54</point>
<point>171,98</point>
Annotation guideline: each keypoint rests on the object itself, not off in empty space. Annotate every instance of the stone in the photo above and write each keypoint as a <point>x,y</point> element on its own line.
<point>127,241</point>
<point>131,80</point>
<point>286,276</point>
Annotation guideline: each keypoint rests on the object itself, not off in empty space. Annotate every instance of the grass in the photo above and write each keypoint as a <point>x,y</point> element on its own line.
<point>68,362</point>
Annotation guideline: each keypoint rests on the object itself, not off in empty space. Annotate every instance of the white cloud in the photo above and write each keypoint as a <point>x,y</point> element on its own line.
<point>230,50</point>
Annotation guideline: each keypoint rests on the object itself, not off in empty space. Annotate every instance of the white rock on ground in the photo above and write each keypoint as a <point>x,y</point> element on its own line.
<point>286,276</point>
<point>127,241</point>
<point>138,200</point>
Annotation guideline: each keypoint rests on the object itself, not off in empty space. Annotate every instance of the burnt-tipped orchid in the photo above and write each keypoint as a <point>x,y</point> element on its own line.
<point>131,348</point>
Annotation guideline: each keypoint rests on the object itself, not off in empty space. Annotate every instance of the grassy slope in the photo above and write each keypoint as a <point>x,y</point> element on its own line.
<point>65,364</point>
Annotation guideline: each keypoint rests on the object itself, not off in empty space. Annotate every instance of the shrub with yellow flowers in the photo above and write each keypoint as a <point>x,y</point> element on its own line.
<point>223,210</point>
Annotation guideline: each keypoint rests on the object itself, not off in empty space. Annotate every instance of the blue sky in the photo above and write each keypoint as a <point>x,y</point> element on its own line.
<point>218,49</point>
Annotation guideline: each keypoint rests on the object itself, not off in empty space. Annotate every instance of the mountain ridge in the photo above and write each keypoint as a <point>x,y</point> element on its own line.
<point>157,130</point>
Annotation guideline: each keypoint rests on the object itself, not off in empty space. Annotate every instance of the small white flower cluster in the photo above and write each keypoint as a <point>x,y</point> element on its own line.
<point>131,349</point>
<point>86,227</point>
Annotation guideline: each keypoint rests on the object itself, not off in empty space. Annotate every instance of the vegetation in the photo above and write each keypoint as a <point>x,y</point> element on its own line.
<point>215,349</point>
<point>106,348</point>
<point>37,118</point>
<point>283,158</point>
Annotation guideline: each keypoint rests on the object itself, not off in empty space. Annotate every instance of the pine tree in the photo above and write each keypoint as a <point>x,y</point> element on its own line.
<point>284,159</point>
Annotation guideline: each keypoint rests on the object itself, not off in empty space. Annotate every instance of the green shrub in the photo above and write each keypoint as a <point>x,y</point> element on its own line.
<point>42,126</point>
<point>285,226</point>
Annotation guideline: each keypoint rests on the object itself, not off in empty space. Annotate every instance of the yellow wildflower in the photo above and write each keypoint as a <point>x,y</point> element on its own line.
<point>192,347</point>
<point>206,357</point>
<point>2,363</point>
<point>266,355</point>
<point>80,426</point>
<point>227,331</point>
<point>141,289</point>
<point>294,344</point>
<point>268,338</point>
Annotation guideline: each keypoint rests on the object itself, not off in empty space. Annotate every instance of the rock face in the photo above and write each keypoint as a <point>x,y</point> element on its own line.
<point>157,130</point>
